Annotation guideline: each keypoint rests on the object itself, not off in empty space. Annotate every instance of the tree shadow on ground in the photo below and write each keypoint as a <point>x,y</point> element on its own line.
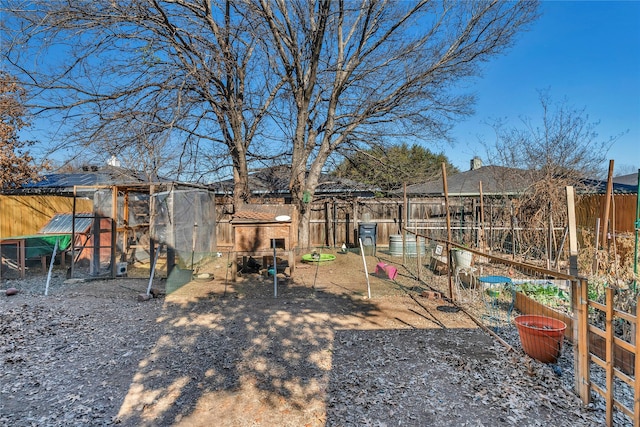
<point>228,359</point>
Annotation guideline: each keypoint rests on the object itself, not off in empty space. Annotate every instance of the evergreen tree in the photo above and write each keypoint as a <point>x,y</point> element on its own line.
<point>390,167</point>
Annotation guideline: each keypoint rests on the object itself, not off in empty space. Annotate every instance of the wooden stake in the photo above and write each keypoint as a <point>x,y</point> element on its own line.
<point>446,207</point>
<point>607,204</point>
<point>573,234</point>
<point>550,237</point>
<point>366,273</point>
<point>482,244</point>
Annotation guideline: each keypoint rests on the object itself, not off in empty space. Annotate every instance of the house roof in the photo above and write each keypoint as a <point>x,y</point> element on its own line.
<point>595,186</point>
<point>499,180</point>
<point>495,180</point>
<point>631,179</point>
<point>61,183</point>
<point>275,181</point>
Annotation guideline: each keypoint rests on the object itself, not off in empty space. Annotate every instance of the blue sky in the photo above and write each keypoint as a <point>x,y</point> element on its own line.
<point>586,52</point>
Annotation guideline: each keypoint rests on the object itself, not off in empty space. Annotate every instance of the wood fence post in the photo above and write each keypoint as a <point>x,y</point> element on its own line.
<point>326,223</point>
<point>607,205</point>
<point>636,383</point>
<point>334,216</point>
<point>582,366</point>
<point>609,397</point>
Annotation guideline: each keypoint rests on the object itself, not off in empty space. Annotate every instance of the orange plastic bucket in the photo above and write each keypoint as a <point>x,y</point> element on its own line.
<point>541,336</point>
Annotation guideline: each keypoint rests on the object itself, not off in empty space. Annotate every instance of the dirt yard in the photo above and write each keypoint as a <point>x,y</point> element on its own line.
<point>216,353</point>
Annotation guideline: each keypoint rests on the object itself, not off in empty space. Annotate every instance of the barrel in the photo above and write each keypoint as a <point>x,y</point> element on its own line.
<point>395,245</point>
<point>410,246</point>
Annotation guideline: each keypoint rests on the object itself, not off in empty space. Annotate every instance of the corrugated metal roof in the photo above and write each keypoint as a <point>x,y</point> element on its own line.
<point>63,223</point>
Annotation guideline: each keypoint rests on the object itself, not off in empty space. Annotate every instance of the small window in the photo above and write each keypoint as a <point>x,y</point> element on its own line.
<point>279,243</point>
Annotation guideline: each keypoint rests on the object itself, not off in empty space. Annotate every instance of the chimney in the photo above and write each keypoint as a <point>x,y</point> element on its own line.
<point>476,163</point>
<point>113,161</point>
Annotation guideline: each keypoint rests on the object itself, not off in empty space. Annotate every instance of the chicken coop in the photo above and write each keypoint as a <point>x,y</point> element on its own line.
<point>142,225</point>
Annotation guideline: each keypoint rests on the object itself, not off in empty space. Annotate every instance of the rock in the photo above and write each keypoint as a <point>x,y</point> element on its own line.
<point>144,297</point>
<point>11,291</point>
<point>157,292</point>
<point>431,295</point>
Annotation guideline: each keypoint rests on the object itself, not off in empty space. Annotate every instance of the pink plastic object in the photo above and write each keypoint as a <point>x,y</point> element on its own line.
<point>388,270</point>
<point>392,272</point>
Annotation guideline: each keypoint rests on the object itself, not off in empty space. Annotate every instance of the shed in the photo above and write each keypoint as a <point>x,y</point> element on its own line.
<point>258,228</point>
<point>255,226</point>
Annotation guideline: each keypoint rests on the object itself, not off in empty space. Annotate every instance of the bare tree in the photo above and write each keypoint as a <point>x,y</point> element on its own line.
<point>16,164</point>
<point>558,149</point>
<point>304,78</point>
<point>186,72</point>
<point>561,144</point>
<point>357,69</point>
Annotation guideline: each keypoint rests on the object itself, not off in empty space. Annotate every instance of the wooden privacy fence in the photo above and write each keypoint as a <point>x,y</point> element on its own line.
<point>25,215</point>
<point>623,212</point>
<point>614,375</point>
<point>336,221</point>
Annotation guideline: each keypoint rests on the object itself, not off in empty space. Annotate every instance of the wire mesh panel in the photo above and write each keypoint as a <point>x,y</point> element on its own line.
<point>500,292</point>
<point>177,223</point>
<point>184,220</point>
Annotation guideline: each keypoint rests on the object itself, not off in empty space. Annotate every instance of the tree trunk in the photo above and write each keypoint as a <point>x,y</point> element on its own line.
<point>304,229</point>
<point>241,192</point>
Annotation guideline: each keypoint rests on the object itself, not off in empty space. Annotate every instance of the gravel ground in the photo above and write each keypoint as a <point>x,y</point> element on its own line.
<point>215,353</point>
